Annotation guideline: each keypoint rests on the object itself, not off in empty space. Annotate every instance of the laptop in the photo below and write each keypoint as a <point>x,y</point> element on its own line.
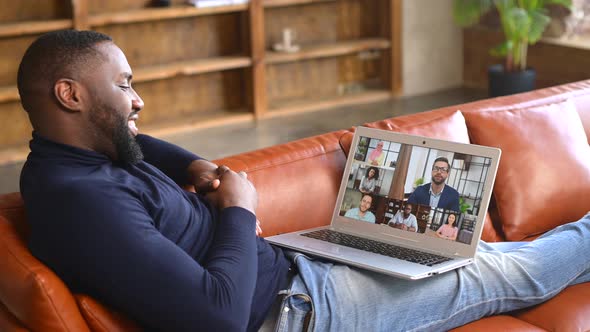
<point>390,215</point>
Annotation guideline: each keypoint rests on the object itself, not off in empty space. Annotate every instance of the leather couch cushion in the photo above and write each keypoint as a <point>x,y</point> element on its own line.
<point>567,311</point>
<point>449,127</point>
<point>498,323</point>
<point>102,319</point>
<point>12,207</point>
<point>300,179</point>
<point>544,176</point>
<point>32,292</point>
<point>8,322</point>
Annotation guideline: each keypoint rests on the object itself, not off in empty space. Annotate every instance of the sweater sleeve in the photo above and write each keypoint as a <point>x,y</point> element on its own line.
<point>115,251</point>
<point>172,160</point>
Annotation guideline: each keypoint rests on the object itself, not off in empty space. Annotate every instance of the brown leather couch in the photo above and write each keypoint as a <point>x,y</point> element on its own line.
<point>543,181</point>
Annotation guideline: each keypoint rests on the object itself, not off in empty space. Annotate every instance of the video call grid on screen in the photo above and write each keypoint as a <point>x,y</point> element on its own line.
<point>398,170</point>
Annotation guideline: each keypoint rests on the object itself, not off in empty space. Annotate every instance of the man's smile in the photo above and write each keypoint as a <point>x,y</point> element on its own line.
<point>132,124</point>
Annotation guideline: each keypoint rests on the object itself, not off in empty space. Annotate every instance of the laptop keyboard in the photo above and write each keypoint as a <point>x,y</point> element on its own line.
<point>377,247</point>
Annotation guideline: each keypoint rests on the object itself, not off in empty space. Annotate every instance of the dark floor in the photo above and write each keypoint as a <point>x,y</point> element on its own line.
<point>213,143</point>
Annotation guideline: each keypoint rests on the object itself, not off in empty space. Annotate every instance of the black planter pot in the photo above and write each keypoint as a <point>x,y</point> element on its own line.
<point>503,83</point>
<point>160,3</point>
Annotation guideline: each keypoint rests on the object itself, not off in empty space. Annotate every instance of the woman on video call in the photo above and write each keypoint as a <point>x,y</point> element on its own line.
<point>449,230</point>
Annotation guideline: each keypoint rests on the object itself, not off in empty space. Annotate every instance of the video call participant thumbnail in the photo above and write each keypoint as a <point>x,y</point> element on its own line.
<point>404,219</point>
<point>436,193</point>
<point>362,212</point>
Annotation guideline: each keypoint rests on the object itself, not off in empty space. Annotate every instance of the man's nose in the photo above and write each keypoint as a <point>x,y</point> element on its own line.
<point>136,103</point>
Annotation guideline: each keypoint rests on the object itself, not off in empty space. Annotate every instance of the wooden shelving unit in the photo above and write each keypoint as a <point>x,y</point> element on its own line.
<point>8,93</point>
<point>157,14</point>
<point>13,154</point>
<point>285,3</point>
<point>191,67</point>
<point>33,27</point>
<point>202,67</point>
<point>343,43</point>
<point>331,49</point>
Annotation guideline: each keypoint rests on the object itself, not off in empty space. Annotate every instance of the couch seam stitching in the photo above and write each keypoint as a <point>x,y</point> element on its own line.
<point>87,308</point>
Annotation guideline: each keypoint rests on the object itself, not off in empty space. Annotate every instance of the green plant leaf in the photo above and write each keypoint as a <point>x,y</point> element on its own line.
<point>531,4</point>
<point>539,21</point>
<point>419,182</point>
<point>501,50</point>
<point>504,5</point>
<point>463,206</point>
<point>518,24</point>
<point>468,12</point>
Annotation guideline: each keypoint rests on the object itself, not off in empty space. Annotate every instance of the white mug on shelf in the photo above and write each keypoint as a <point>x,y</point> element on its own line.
<point>288,37</point>
<point>286,45</point>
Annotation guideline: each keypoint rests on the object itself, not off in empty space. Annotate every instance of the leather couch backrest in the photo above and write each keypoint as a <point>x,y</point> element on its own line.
<point>297,182</point>
<point>578,93</point>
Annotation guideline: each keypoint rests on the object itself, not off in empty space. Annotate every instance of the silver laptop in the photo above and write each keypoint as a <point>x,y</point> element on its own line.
<point>408,206</point>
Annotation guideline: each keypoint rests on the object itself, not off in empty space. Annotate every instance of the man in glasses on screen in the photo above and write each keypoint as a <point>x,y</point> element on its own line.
<point>436,193</point>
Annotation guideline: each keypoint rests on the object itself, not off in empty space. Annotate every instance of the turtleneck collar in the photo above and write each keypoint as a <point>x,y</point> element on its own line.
<point>47,148</point>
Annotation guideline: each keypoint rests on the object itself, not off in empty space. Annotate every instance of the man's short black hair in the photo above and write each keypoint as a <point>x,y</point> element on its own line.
<point>443,159</point>
<point>55,55</point>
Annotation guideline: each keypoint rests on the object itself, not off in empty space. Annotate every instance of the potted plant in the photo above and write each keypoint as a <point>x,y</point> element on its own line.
<point>463,206</point>
<point>523,23</point>
<point>417,183</point>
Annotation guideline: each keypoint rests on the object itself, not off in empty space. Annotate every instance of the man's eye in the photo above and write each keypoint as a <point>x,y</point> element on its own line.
<point>124,87</point>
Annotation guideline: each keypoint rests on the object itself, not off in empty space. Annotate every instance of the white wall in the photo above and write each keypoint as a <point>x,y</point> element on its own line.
<point>432,47</point>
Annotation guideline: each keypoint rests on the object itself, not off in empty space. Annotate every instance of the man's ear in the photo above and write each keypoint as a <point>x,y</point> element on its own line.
<point>68,94</point>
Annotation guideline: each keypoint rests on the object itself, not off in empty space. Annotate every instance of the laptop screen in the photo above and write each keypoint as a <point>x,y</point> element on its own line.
<point>429,191</point>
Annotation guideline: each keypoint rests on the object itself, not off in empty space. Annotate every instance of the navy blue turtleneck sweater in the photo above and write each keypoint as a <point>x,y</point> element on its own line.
<point>129,236</point>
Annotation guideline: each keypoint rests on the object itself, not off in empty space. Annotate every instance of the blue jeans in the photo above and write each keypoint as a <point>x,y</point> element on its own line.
<point>331,297</point>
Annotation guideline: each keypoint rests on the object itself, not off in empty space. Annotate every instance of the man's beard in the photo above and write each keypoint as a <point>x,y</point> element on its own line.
<point>128,150</point>
<point>113,125</point>
<point>437,182</point>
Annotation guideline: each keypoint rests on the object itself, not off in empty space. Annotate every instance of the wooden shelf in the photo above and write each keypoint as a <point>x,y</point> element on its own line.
<point>199,120</point>
<point>13,154</point>
<point>192,67</point>
<point>285,3</point>
<point>151,73</point>
<point>324,50</point>
<point>33,27</point>
<point>158,14</point>
<point>9,93</point>
<point>301,105</point>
